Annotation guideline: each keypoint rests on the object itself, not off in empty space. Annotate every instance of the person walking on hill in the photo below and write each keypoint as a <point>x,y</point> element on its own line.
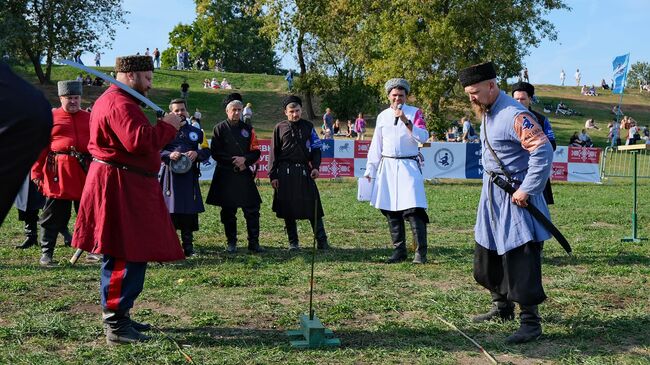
<point>577,76</point>
<point>562,77</point>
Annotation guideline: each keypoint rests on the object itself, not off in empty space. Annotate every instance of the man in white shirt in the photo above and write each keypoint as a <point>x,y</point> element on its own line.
<point>393,163</point>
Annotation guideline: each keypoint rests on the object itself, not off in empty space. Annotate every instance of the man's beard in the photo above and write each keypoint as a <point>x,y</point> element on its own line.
<point>479,109</point>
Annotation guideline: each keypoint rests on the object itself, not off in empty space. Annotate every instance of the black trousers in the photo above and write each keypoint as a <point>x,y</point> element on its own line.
<point>515,275</point>
<point>229,220</point>
<point>54,219</point>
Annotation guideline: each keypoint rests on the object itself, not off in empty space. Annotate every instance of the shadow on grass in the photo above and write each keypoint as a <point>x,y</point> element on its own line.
<point>621,259</point>
<point>591,338</point>
<point>213,255</point>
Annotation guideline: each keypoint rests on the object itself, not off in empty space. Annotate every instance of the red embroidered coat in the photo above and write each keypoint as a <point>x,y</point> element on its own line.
<point>122,213</point>
<point>61,173</point>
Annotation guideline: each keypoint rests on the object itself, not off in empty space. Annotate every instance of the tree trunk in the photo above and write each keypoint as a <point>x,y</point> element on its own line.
<point>307,104</point>
<point>38,69</point>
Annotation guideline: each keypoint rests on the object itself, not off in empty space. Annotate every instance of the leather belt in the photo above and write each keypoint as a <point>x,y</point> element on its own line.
<point>127,168</point>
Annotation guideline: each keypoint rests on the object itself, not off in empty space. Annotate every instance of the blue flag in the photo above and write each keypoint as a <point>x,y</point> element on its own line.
<point>620,73</point>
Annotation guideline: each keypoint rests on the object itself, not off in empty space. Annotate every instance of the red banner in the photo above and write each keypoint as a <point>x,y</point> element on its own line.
<point>584,154</point>
<point>265,149</point>
<point>560,171</point>
<point>361,149</point>
<point>339,167</point>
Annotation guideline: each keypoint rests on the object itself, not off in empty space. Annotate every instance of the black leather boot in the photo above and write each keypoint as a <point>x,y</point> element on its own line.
<point>530,327</point>
<point>140,327</point>
<point>119,328</point>
<point>31,235</point>
<point>292,234</point>
<point>398,236</point>
<point>48,241</point>
<point>321,237</point>
<point>230,228</point>
<point>502,310</point>
<point>253,230</point>
<point>188,243</point>
<point>419,229</point>
<point>67,237</point>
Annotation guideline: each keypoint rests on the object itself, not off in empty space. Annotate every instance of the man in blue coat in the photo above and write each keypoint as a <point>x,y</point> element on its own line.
<point>507,254</point>
<point>179,177</point>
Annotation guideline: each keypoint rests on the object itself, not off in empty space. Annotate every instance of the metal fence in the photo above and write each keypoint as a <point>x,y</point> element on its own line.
<point>617,163</point>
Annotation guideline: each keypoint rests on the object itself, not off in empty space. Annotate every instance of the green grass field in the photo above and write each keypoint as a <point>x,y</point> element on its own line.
<point>235,309</point>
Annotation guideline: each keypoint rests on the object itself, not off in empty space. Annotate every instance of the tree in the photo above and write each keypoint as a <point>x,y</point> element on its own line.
<point>39,29</point>
<point>639,72</point>
<point>305,29</point>
<point>424,41</point>
<point>228,31</point>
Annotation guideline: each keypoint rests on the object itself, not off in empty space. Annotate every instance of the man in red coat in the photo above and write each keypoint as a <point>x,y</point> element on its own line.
<point>60,170</point>
<point>122,213</point>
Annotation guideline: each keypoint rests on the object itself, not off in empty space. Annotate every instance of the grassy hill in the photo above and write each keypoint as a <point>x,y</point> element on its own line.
<point>265,92</point>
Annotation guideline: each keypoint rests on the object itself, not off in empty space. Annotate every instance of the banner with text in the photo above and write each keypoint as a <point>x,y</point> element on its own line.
<point>347,158</point>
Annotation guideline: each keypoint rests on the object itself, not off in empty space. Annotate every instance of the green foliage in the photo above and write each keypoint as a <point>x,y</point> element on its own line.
<point>639,73</point>
<point>50,29</point>
<point>226,32</point>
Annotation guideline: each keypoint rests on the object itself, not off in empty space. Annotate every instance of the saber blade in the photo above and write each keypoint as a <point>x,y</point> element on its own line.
<point>121,85</point>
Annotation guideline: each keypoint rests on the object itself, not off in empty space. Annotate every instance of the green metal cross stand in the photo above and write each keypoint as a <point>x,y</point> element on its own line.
<point>312,333</point>
<point>634,150</point>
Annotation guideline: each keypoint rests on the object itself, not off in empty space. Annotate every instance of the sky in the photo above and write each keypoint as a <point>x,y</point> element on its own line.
<point>589,37</point>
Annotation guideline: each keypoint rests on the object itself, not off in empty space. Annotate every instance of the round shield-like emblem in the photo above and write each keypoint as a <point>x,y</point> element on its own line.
<point>181,166</point>
<point>244,133</point>
<point>194,136</point>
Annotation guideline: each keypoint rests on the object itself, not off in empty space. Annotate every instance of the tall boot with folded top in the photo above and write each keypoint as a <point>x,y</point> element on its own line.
<point>530,327</point>
<point>398,236</point>
<point>419,229</point>
<point>31,234</point>
<point>119,328</point>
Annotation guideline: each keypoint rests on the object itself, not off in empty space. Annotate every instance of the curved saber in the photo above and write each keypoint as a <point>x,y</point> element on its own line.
<point>159,112</point>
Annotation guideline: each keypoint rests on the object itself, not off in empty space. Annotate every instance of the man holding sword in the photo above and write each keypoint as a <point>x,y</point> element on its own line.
<point>122,214</point>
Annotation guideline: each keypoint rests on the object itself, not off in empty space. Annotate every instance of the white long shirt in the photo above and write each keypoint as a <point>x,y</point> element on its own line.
<point>398,181</point>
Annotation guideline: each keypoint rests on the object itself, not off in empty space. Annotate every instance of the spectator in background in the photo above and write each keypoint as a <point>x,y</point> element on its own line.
<point>574,141</point>
<point>289,79</point>
<point>98,58</point>
<point>469,135</point>
<point>351,133</point>
<point>179,60</point>
<point>360,127</point>
<point>526,74</point>
<point>247,114</point>
<point>185,89</point>
<point>80,78</point>
<point>645,134</point>
<point>585,140</point>
<point>328,124</point>
<point>146,52</point>
<point>206,83</point>
<point>225,84</point>
<point>198,116</point>
<point>98,81</point>
<point>632,134</point>
<point>562,77</point>
<point>214,83</point>
<point>604,85</point>
<point>614,133</point>
<point>156,57</point>
<point>577,76</point>
<point>591,124</point>
<point>583,90</point>
<point>337,128</point>
<point>88,80</point>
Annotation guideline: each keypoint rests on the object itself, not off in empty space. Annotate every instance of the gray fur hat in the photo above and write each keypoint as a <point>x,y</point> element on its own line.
<point>69,87</point>
<point>393,83</point>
